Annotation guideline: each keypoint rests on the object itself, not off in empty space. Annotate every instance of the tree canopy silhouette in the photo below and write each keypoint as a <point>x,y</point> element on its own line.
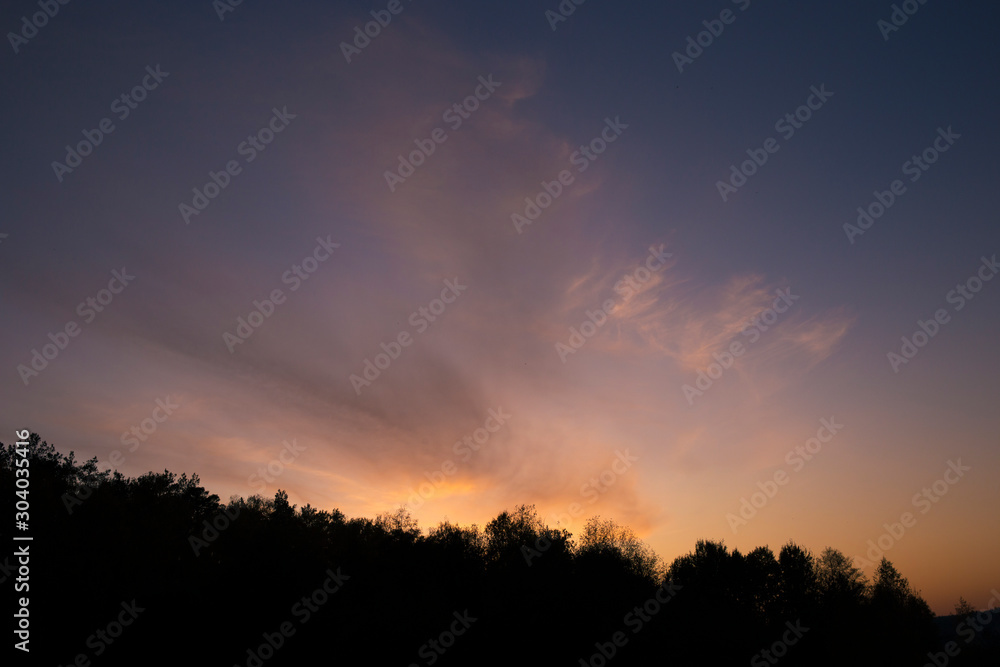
<point>257,581</point>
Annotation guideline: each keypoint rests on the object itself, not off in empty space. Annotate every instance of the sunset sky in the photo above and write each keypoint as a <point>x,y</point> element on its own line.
<point>621,145</point>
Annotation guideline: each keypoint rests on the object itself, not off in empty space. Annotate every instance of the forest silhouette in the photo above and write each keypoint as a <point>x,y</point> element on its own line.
<point>156,570</point>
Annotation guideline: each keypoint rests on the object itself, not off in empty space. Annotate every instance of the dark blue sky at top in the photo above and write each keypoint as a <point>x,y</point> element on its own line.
<point>939,69</point>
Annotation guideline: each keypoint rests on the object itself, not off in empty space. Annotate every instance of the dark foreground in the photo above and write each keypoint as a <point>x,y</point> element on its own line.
<point>155,570</point>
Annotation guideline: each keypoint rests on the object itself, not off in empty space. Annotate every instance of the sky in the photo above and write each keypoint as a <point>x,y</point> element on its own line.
<point>716,270</point>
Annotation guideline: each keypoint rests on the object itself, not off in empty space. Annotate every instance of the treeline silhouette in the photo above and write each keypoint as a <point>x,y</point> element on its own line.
<point>156,570</point>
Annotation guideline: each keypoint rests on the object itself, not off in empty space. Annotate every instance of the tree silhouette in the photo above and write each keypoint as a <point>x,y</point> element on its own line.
<point>799,586</point>
<point>226,576</point>
<point>840,583</point>
<point>963,608</point>
<point>617,547</point>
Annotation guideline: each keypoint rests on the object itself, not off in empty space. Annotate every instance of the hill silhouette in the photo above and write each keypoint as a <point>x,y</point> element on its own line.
<point>157,570</point>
